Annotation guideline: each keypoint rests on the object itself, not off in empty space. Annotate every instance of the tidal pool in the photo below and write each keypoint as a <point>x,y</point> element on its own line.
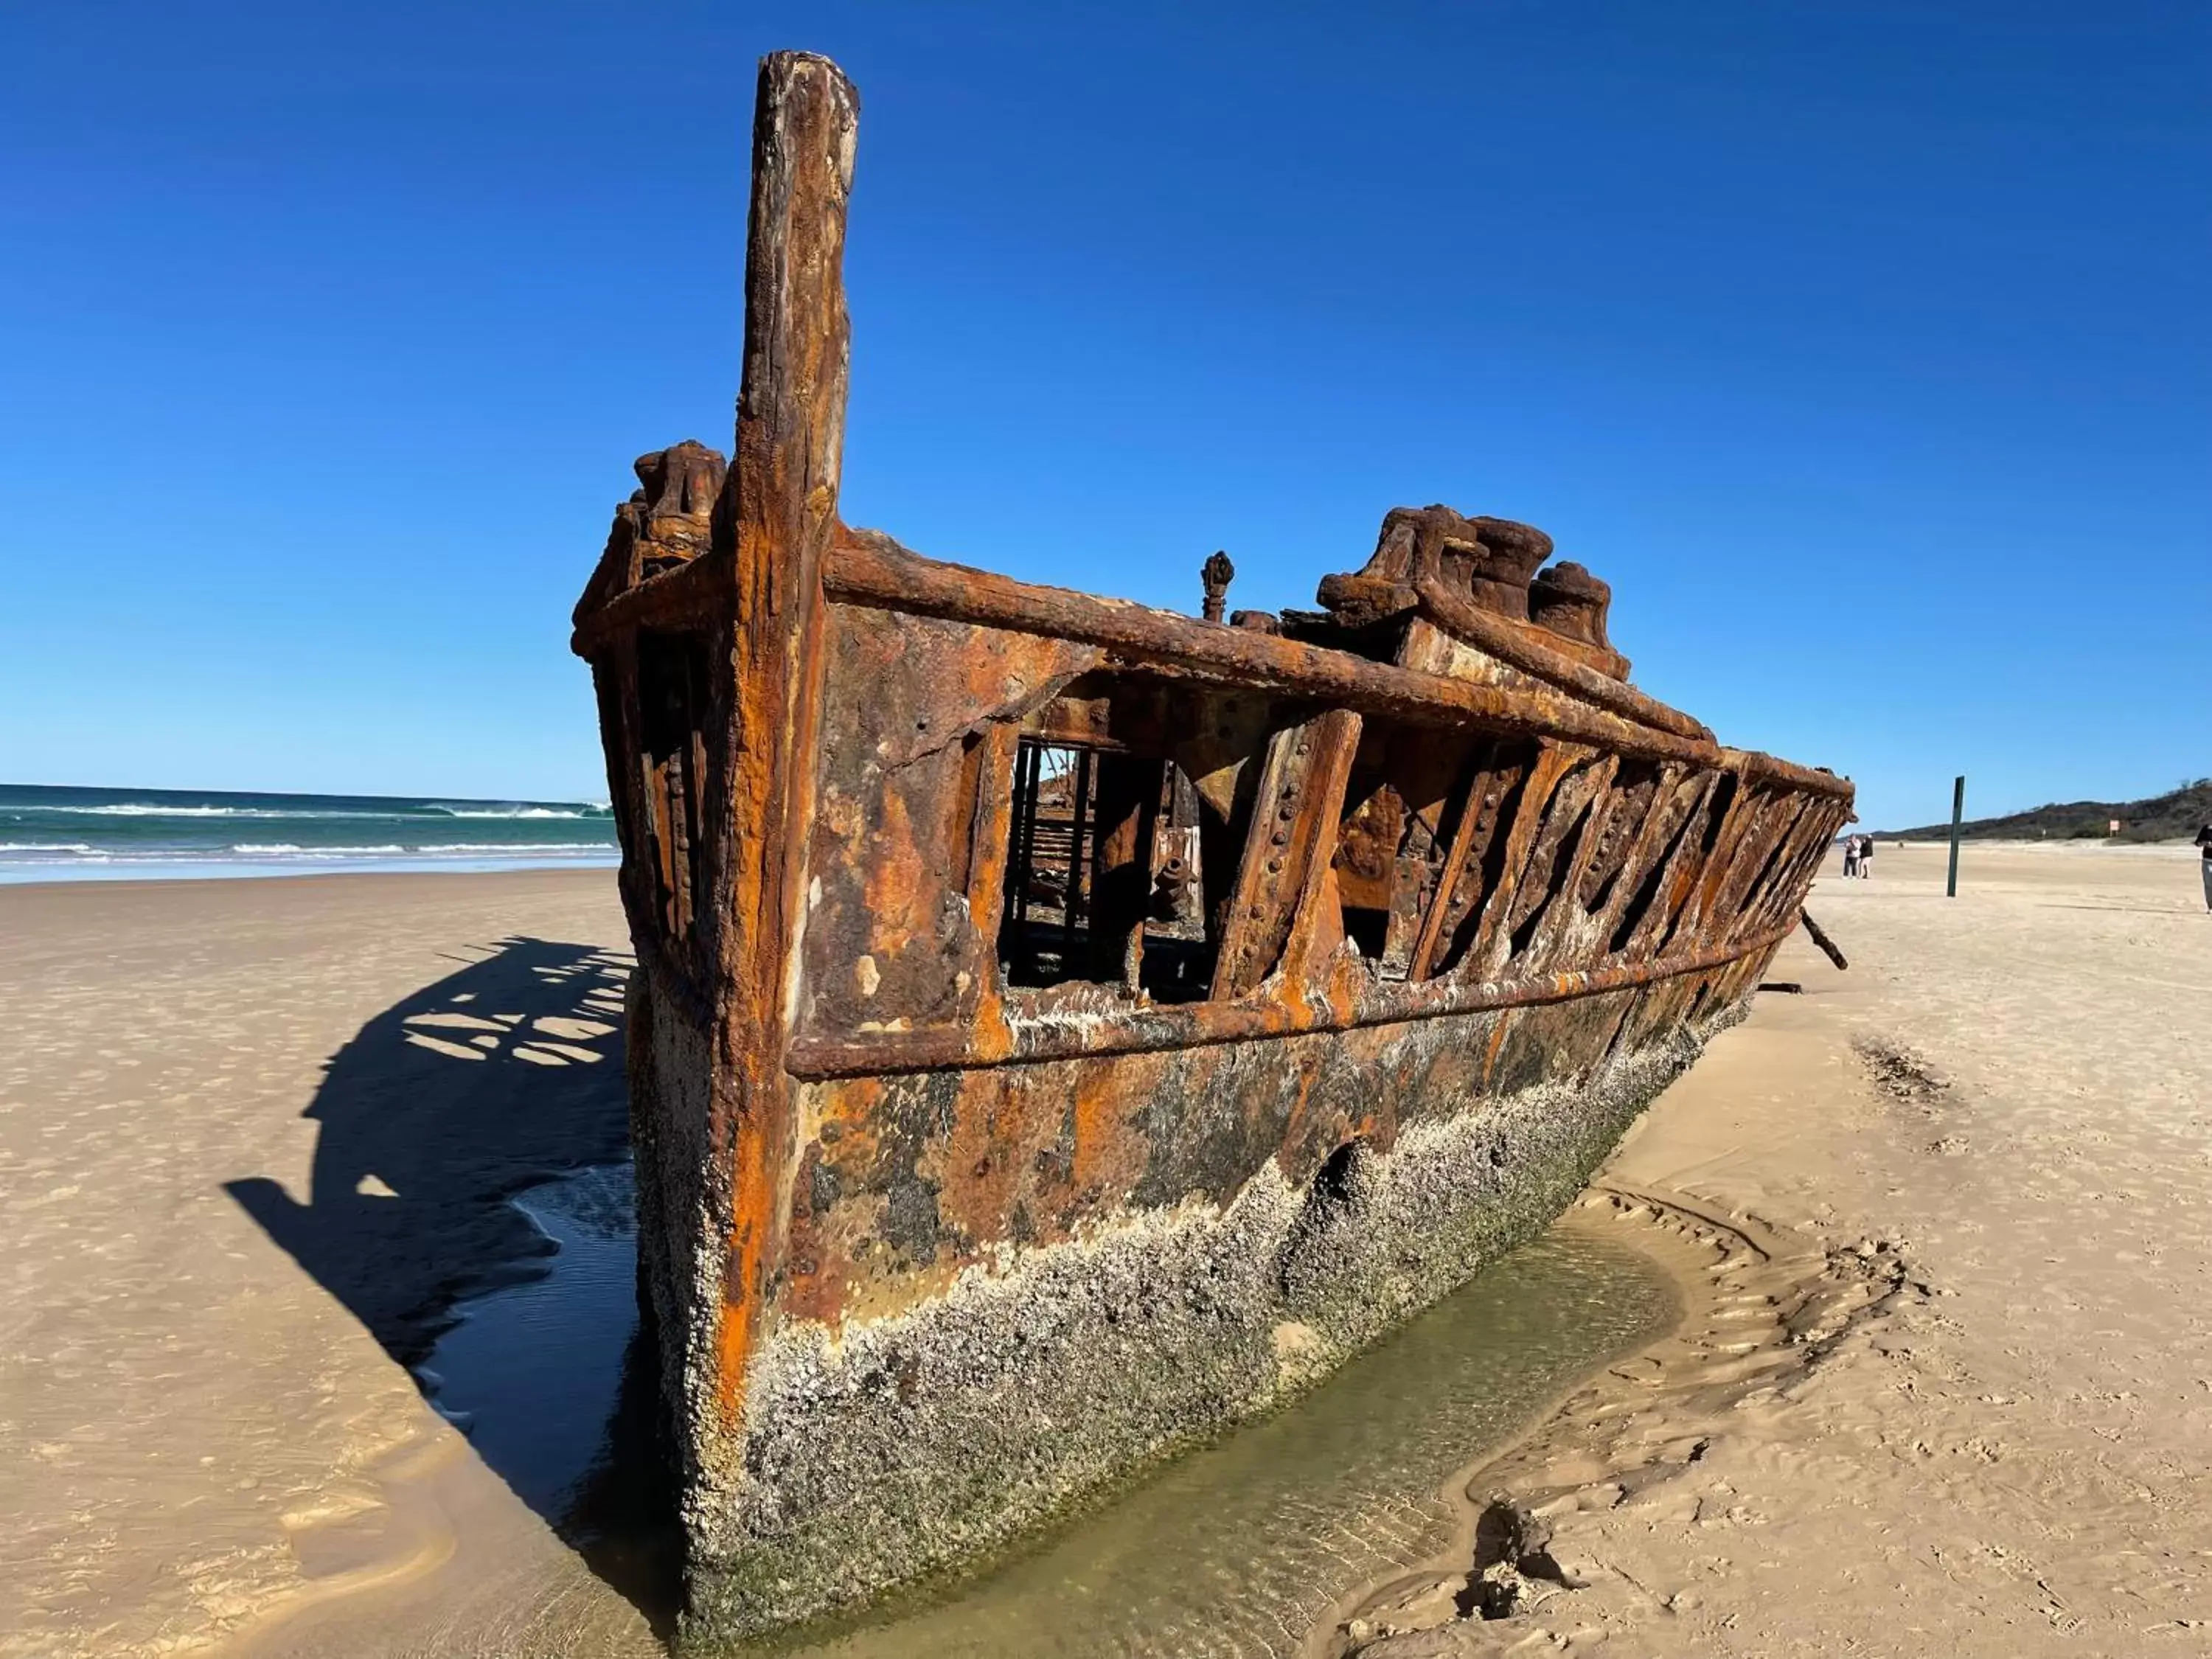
<point>1233,1548</point>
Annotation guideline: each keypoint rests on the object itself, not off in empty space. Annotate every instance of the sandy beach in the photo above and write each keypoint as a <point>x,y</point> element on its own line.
<point>202,1435</point>
<point>1939,1223</point>
<point>1946,1381</point>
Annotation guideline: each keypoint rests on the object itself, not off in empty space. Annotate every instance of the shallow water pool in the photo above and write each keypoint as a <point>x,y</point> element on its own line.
<point>1233,1549</point>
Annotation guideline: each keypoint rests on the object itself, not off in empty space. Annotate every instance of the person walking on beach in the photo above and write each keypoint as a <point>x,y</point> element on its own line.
<point>1866,858</point>
<point>2205,846</point>
<point>1850,856</point>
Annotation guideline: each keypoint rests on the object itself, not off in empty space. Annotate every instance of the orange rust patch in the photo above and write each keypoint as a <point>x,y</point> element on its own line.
<point>1108,1157</point>
<point>743,1293</point>
<point>1496,1046</point>
<point>979,1169</point>
<point>894,881</point>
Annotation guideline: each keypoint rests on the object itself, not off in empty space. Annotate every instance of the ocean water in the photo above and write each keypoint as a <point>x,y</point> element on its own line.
<point>51,833</point>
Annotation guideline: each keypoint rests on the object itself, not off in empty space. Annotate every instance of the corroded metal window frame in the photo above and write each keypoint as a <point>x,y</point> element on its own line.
<point>1686,877</point>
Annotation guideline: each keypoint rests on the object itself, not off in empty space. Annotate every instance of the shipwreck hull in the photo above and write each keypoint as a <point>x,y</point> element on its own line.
<point>919,1439</point>
<point>1064,1028</point>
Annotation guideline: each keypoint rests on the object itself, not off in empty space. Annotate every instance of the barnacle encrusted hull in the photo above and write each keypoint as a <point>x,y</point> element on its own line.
<point>1063,1027</point>
<point>919,1439</point>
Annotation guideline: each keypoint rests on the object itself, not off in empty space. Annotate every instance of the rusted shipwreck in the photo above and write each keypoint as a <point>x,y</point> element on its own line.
<point>1064,1027</point>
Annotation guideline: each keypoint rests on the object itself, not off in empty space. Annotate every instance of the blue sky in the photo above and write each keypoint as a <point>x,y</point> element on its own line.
<point>1864,348</point>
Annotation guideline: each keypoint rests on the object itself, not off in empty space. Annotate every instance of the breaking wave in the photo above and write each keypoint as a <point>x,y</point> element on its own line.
<point>47,833</point>
<point>514,812</point>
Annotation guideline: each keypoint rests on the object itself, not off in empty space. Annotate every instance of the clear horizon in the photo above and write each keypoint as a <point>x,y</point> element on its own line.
<point>601,799</point>
<point>1863,353</point>
<point>53,832</point>
<point>586,798</point>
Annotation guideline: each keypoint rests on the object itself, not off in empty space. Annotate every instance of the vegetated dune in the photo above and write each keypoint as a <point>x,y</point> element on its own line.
<point>2179,813</point>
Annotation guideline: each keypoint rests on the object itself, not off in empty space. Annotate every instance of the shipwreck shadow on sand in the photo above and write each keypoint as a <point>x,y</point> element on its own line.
<point>442,1111</point>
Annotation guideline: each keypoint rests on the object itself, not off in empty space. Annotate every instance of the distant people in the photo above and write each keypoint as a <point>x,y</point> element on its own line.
<point>1866,858</point>
<point>2205,846</point>
<point>1850,856</point>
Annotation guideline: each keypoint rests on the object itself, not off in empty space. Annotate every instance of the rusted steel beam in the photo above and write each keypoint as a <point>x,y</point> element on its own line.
<point>1150,1029</point>
<point>1501,639</point>
<point>1674,800</point>
<point>1287,849</point>
<point>1818,935</point>
<point>780,502</point>
<point>1746,811</point>
<point>1680,870</point>
<point>996,836</point>
<point>1771,819</point>
<point>1671,877</point>
<point>1793,869</point>
<point>1317,913</point>
<point>1556,931</point>
<point>1128,796</point>
<point>1532,810</point>
<point>694,595</point>
<point>674,980</point>
<point>1760,892</point>
<point>1027,763</point>
<point>694,591</point>
<point>867,572</point>
<point>1460,887</point>
<point>1414,862</point>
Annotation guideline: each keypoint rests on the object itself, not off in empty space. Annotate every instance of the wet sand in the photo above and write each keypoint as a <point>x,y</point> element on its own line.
<point>1949,1389</point>
<point>198,1425</point>
<point>1941,1223</point>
